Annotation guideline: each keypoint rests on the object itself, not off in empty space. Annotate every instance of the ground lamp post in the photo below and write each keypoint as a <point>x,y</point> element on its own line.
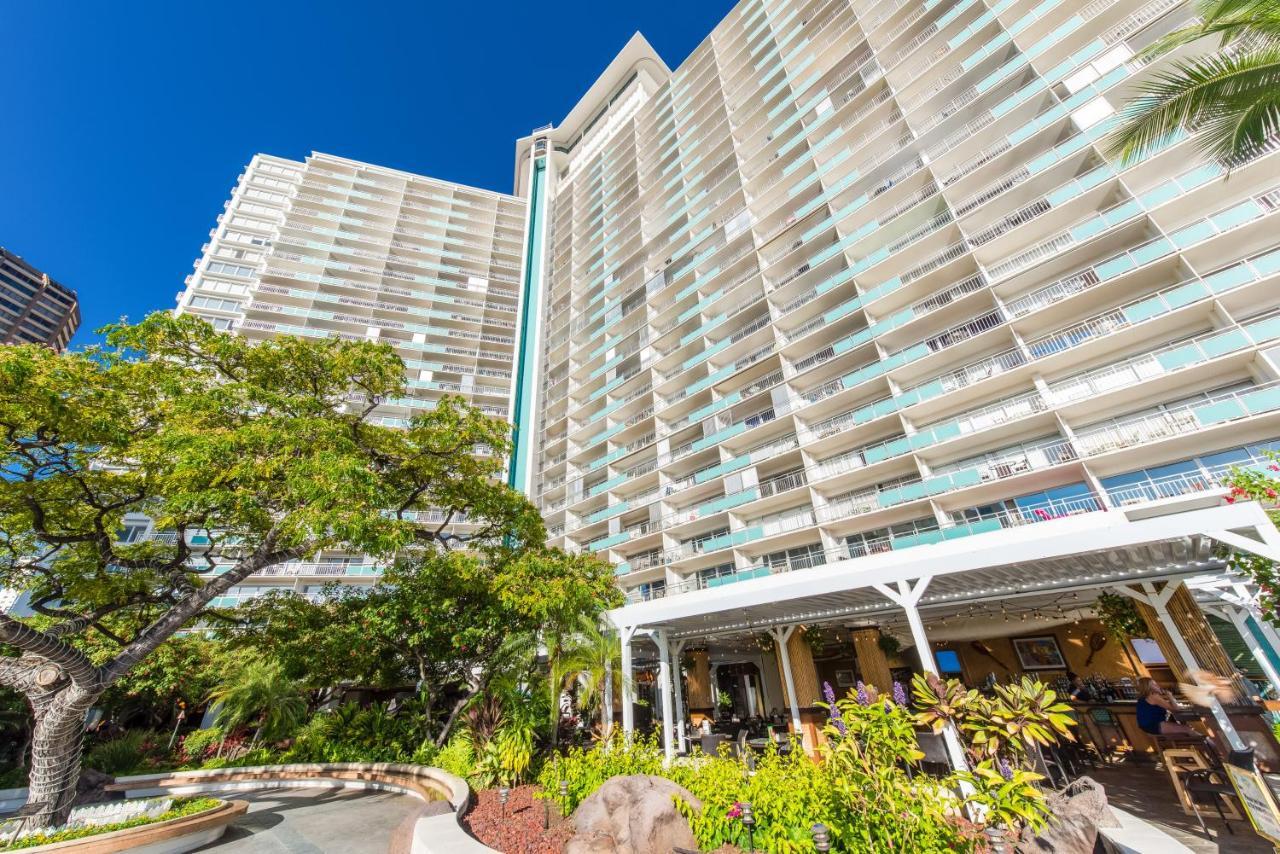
<point>749,822</point>
<point>821,838</point>
<point>564,797</point>
<point>503,794</point>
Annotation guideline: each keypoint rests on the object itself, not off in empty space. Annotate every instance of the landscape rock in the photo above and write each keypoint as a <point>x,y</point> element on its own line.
<point>1078,811</point>
<point>633,815</point>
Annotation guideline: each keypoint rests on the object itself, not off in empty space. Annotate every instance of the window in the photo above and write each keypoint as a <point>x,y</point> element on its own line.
<point>132,532</point>
<point>215,303</point>
<point>230,269</point>
<point>245,237</point>
<point>238,254</point>
<point>265,195</point>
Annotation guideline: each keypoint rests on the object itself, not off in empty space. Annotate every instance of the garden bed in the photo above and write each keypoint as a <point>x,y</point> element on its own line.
<point>519,828</point>
<point>200,818</point>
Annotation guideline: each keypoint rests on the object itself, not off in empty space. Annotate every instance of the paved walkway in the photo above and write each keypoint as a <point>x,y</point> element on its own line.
<point>1145,791</point>
<point>316,821</point>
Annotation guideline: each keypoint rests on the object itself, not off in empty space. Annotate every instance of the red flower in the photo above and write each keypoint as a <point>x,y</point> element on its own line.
<point>1231,499</point>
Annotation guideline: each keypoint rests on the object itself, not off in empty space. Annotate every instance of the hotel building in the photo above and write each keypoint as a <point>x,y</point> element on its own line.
<point>850,324</point>
<point>34,309</point>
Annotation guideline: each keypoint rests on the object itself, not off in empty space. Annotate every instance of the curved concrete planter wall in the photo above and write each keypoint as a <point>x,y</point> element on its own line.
<point>434,832</point>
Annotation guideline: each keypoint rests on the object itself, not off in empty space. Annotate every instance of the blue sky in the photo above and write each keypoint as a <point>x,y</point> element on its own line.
<point>126,123</point>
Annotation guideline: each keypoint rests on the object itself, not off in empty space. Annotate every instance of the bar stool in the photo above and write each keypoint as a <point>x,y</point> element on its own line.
<point>1106,722</point>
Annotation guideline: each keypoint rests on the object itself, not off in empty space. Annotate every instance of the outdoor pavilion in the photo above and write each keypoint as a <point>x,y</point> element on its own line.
<point>1168,555</point>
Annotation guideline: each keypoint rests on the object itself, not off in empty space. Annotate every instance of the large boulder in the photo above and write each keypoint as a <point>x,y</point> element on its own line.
<point>633,815</point>
<point>1077,812</point>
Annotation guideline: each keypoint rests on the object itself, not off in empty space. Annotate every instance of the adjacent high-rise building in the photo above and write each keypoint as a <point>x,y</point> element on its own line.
<point>34,309</point>
<point>854,298</point>
<point>331,247</point>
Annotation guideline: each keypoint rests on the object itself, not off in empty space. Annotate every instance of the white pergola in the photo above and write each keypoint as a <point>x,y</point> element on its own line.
<point>1130,550</point>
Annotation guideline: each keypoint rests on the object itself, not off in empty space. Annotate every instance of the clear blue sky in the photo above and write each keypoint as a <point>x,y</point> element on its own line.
<point>125,124</point>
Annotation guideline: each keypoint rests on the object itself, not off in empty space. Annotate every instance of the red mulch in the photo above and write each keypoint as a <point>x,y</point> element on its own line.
<point>519,831</point>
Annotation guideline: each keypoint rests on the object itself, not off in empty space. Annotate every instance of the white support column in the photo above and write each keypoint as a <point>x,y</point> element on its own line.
<point>606,723</point>
<point>907,597</point>
<point>664,691</point>
<point>1159,602</point>
<point>626,633</point>
<point>678,685</point>
<point>782,634</point>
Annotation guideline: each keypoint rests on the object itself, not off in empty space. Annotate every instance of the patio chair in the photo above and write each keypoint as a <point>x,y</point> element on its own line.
<point>710,744</point>
<point>1209,783</point>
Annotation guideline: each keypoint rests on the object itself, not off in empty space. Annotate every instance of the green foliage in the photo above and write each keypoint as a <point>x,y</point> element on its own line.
<point>123,754</point>
<point>1119,615</point>
<point>868,806</point>
<point>197,745</point>
<point>1008,796</point>
<point>1022,717</point>
<point>181,809</point>
<point>257,694</point>
<point>1231,97</point>
<point>355,734</point>
<point>457,757</point>
<point>941,702</point>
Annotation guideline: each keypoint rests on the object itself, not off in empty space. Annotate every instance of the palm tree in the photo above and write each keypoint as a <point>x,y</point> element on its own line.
<point>592,658</point>
<point>259,694</point>
<point>1232,96</point>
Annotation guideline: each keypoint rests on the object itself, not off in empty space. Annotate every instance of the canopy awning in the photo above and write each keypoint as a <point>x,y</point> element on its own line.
<point>1167,540</point>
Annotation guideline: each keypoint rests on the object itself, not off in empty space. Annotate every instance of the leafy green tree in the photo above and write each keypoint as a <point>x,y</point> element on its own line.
<point>267,452</point>
<point>592,659</point>
<point>1233,96</point>
<point>448,622</point>
<point>562,594</point>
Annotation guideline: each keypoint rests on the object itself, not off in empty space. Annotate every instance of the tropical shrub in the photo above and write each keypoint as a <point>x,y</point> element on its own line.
<point>127,752</point>
<point>1007,796</point>
<point>199,745</point>
<point>457,757</point>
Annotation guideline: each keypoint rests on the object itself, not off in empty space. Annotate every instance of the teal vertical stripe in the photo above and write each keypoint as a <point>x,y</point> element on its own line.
<point>522,449</point>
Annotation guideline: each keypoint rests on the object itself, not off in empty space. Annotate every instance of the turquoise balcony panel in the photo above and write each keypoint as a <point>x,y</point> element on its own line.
<point>1265,264</point>
<point>622,568</point>
<point>608,512</point>
<point>1143,310</point>
<point>921,539</point>
<point>1264,330</point>
<point>728,502</point>
<point>724,468</point>
<point>1266,400</point>
<point>1159,195</point>
<point>711,379</point>
<point>1149,252</point>
<point>714,406</point>
<point>603,486</point>
<point>609,542</point>
<point>719,436</point>
<point>1180,357</point>
<point>842,309</point>
<point>1232,277</point>
<point>1227,342</point>
<point>1223,410</point>
<point>1186,294</point>
<point>1237,215</point>
<point>1115,267</point>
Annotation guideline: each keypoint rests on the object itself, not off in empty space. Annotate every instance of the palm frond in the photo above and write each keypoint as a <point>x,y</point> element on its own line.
<point>1213,93</point>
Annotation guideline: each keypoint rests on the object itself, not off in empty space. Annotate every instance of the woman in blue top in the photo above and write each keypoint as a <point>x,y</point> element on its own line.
<point>1155,708</point>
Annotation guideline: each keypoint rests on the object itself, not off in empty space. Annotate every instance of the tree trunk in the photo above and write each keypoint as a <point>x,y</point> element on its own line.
<point>56,748</point>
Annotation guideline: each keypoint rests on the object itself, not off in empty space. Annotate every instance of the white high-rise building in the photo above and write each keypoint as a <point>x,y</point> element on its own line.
<point>333,247</point>
<point>850,320</point>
